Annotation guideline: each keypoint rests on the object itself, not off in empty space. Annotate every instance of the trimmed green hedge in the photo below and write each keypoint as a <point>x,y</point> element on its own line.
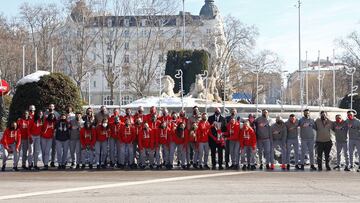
<point>177,60</point>
<point>55,88</point>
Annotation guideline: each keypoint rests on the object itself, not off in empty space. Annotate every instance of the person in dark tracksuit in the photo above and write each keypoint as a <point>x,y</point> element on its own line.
<point>216,141</point>
<point>292,140</point>
<point>278,138</point>
<point>62,137</point>
<point>307,137</point>
<point>354,135</point>
<point>263,135</point>
<point>340,129</point>
<point>323,128</point>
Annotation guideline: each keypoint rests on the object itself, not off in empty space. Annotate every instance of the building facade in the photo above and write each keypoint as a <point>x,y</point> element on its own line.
<point>128,52</point>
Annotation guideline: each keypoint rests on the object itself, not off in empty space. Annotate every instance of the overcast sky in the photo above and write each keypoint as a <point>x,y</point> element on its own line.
<point>323,21</point>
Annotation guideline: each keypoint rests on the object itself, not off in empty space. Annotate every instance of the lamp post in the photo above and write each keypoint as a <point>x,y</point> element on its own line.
<point>258,88</point>
<point>351,71</point>
<point>120,88</point>
<point>179,75</point>
<point>23,62</point>
<point>334,83</point>
<point>205,75</point>
<point>160,85</point>
<point>89,86</point>
<point>184,19</point>
<point>307,79</point>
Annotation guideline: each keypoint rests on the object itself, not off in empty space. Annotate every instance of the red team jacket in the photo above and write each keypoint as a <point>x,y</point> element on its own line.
<point>127,134</point>
<point>11,137</point>
<point>181,137</point>
<point>233,131</point>
<point>146,139</point>
<point>36,127</point>
<point>115,130</point>
<point>48,129</point>
<point>163,136</point>
<point>24,125</point>
<point>203,131</point>
<point>102,133</point>
<point>87,137</point>
<point>247,138</point>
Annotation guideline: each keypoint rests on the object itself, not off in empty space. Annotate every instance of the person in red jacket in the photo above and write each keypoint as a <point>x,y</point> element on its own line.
<point>192,147</point>
<point>36,126</point>
<point>87,142</point>
<point>147,146</point>
<point>165,116</point>
<point>24,124</point>
<point>114,142</point>
<point>163,134</point>
<point>128,116</point>
<point>233,135</point>
<point>102,136</point>
<point>32,112</point>
<point>11,142</point>
<point>248,146</point>
<point>180,138</point>
<point>47,135</point>
<point>127,136</point>
<point>202,133</point>
<point>140,114</point>
<point>152,114</point>
<point>138,125</point>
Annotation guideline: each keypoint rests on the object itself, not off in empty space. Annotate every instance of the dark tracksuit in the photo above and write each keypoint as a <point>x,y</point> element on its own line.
<point>323,140</point>
<point>214,146</point>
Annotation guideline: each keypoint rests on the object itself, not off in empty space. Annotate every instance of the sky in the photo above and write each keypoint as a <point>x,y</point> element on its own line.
<point>322,22</point>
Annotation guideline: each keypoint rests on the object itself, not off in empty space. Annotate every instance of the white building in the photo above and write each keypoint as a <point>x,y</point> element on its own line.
<point>134,47</point>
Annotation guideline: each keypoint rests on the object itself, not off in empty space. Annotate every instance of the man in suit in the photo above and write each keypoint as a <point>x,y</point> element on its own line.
<point>216,139</point>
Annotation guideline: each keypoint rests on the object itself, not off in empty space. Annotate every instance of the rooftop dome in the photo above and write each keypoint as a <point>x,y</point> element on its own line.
<point>209,10</point>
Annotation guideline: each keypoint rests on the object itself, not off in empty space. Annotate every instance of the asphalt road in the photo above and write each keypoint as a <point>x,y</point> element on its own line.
<point>179,186</point>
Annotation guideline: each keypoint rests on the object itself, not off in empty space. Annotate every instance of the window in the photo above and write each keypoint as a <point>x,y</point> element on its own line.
<point>126,45</point>
<point>177,45</point>
<point>178,32</point>
<point>107,100</point>
<point>126,33</point>
<point>208,31</point>
<point>127,59</point>
<point>161,45</point>
<point>109,58</point>
<point>79,33</point>
<point>109,22</point>
<point>126,22</point>
<point>193,44</point>
<point>94,84</point>
<point>161,58</point>
<point>94,56</point>
<point>143,22</point>
<point>126,100</point>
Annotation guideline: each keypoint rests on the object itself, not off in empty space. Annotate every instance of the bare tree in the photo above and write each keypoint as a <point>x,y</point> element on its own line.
<point>43,23</point>
<point>78,39</point>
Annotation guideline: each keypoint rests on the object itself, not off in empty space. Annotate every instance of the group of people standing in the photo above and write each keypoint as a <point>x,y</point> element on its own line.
<point>158,140</point>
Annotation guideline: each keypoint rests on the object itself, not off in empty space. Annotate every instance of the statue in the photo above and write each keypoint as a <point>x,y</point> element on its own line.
<point>168,86</point>
<point>198,90</point>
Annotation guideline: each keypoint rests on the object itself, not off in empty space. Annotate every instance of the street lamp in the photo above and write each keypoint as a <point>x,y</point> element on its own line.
<point>160,85</point>
<point>179,75</point>
<point>205,75</point>
<point>120,87</point>
<point>351,71</point>
<point>258,88</point>
<point>89,86</point>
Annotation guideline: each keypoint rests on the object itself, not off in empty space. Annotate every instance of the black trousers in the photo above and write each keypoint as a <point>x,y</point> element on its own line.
<point>219,150</point>
<point>227,152</point>
<point>323,148</point>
